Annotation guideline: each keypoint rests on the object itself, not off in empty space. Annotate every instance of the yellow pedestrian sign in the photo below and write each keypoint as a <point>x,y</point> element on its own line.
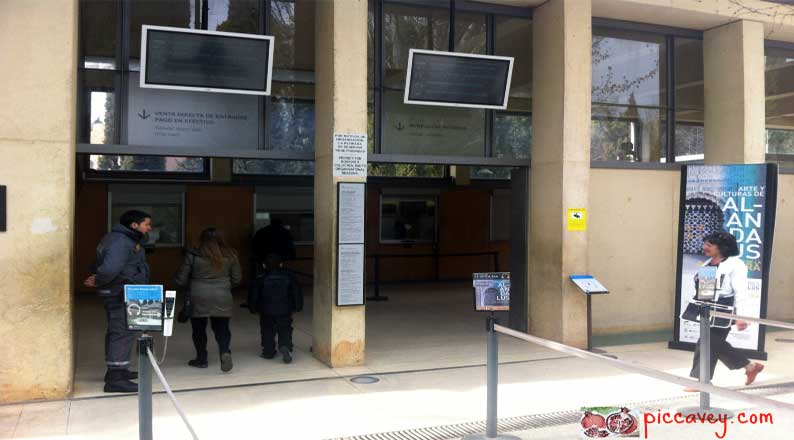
<point>577,219</point>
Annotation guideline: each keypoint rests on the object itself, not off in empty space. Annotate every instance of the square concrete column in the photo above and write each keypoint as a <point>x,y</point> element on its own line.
<point>38,53</point>
<point>340,107</point>
<point>560,173</point>
<point>735,120</point>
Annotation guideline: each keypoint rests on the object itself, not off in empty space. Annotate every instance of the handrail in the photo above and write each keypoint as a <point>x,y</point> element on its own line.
<point>768,322</point>
<point>634,367</point>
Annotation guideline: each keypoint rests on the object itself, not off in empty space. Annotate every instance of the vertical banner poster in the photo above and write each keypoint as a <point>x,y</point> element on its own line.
<point>739,199</point>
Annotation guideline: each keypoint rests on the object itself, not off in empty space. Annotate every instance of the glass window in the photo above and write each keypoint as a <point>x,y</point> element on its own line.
<point>146,164</point>
<point>513,37</point>
<point>292,25</point>
<point>292,117</point>
<point>629,96</point>
<point>406,170</point>
<point>299,224</point>
<point>689,100</point>
<point>470,33</point>
<point>628,134</point>
<point>491,173</point>
<point>629,68</point>
<point>98,27</point>
<point>408,219</point>
<point>689,140</point>
<point>241,16</point>
<point>165,205</point>
<point>98,89</point>
<point>174,13</point>
<point>780,104</point>
<point>410,27</point>
<point>512,135</point>
<point>429,130</point>
<point>273,167</point>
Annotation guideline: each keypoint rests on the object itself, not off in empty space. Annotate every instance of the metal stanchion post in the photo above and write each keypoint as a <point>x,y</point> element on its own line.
<point>144,388</point>
<point>705,356</point>
<point>492,386</point>
<point>704,368</point>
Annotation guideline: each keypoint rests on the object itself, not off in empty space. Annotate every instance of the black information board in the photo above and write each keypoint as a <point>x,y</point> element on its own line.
<point>187,59</point>
<point>457,80</point>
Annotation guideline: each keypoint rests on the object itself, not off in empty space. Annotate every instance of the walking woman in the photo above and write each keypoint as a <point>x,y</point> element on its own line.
<point>210,272</point>
<point>722,250</point>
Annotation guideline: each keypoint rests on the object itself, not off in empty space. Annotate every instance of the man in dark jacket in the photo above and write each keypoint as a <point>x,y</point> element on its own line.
<point>120,260</point>
<point>275,295</point>
<point>273,239</point>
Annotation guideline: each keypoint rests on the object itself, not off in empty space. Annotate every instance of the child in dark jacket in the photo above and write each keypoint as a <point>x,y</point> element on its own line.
<point>275,295</point>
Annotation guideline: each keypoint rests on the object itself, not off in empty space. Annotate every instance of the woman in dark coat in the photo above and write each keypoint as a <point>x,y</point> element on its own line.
<point>210,272</point>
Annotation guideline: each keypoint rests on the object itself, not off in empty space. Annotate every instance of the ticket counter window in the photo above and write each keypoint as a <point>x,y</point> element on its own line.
<point>408,219</point>
<point>164,203</point>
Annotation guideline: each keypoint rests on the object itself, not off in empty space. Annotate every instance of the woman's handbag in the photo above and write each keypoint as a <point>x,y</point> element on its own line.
<point>187,306</point>
<point>187,309</point>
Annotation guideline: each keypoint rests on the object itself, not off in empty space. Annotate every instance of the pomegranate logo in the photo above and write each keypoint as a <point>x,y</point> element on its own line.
<point>609,422</point>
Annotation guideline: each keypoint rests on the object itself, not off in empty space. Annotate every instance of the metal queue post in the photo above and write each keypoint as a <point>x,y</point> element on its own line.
<point>704,368</point>
<point>147,310</point>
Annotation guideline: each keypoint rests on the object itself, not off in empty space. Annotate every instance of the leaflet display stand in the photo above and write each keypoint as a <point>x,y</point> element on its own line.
<point>590,286</point>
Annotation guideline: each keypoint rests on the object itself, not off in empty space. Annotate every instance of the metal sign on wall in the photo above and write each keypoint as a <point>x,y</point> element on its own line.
<point>178,118</point>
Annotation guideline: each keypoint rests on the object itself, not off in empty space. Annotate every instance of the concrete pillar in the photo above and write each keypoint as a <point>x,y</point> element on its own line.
<point>562,35</point>
<point>38,41</point>
<point>735,124</point>
<point>341,107</point>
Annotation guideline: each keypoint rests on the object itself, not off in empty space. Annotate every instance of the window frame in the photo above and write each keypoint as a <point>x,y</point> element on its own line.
<point>668,112</point>
<point>784,168</point>
<point>379,88</point>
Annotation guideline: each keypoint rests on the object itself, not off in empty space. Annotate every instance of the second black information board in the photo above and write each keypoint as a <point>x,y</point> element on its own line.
<point>208,61</point>
<point>457,79</point>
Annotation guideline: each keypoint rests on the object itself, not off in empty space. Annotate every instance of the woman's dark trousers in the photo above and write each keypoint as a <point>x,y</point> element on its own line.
<point>220,328</point>
<point>720,349</point>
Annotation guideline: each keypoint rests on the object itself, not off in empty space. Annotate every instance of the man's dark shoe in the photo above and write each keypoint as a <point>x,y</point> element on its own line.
<point>115,383</point>
<point>125,374</point>
<point>267,355</point>
<point>198,363</point>
<point>226,362</point>
<point>285,355</point>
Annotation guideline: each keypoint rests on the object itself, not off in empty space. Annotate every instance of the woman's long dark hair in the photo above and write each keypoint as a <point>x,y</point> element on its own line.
<point>214,247</point>
<point>725,242</point>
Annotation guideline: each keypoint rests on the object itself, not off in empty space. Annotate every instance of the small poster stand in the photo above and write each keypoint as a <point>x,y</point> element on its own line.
<point>590,286</point>
<point>144,307</point>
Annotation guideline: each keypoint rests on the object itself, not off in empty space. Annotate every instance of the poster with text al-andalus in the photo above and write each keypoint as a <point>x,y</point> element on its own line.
<point>739,199</point>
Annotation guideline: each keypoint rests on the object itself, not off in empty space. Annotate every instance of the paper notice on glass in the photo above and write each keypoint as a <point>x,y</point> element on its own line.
<point>350,155</point>
<point>351,212</point>
<point>350,275</point>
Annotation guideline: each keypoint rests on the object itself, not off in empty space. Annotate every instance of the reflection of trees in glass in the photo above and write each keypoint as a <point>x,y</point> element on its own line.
<point>405,170</point>
<point>780,141</point>
<point>282,25</point>
<point>407,27</point>
<point>107,162</point>
<point>243,17</point>
<point>292,124</point>
<point>689,139</point>
<point>512,136</point>
<point>109,118</point>
<point>274,167</point>
<point>611,84</point>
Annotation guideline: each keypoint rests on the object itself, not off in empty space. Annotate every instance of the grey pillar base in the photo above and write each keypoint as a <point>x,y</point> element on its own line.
<point>690,410</point>
<point>485,437</point>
